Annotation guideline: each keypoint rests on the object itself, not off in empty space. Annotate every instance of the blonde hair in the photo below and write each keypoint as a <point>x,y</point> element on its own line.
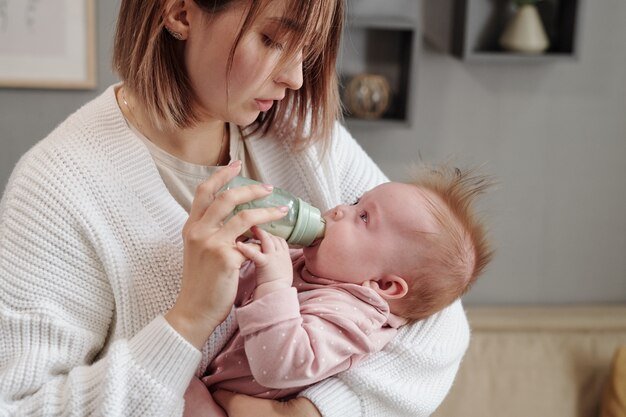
<point>456,256</point>
<point>149,62</point>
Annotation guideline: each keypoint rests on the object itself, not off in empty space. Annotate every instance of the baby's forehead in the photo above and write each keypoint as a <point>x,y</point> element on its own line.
<point>408,208</point>
<point>394,188</point>
<point>405,196</point>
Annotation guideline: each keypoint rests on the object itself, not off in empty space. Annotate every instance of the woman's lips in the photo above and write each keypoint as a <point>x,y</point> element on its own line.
<point>264,105</point>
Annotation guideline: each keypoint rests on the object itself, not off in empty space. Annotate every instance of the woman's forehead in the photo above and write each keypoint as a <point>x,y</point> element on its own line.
<point>300,16</point>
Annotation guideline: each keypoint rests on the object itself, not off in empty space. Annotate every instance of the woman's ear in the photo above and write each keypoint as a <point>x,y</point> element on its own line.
<point>390,287</point>
<point>176,19</point>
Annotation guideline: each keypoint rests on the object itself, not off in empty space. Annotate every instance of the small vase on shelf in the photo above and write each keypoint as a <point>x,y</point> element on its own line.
<point>525,32</point>
<point>367,96</point>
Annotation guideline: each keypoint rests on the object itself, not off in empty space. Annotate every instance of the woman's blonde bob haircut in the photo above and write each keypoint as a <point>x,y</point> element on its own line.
<point>150,63</point>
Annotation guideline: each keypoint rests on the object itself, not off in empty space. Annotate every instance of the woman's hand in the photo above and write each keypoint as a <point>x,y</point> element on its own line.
<point>239,405</point>
<point>199,403</point>
<point>211,260</point>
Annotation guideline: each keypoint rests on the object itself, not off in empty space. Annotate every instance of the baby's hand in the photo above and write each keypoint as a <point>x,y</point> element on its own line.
<point>272,260</point>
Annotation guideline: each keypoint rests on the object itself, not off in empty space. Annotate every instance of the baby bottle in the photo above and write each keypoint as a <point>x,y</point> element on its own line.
<point>300,226</point>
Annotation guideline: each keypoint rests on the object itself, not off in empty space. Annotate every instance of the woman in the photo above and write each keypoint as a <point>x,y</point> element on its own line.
<point>106,307</point>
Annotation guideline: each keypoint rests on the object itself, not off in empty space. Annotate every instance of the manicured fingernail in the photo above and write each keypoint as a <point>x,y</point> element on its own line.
<point>235,164</point>
<point>283,209</point>
<point>268,187</point>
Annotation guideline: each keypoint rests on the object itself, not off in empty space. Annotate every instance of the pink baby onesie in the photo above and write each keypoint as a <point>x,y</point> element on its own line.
<point>292,338</point>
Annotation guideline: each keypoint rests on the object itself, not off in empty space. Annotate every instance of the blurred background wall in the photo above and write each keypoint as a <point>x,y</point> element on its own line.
<point>553,134</point>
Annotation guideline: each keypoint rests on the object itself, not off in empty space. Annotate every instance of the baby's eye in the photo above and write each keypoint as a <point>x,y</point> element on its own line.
<point>356,202</point>
<point>363,216</point>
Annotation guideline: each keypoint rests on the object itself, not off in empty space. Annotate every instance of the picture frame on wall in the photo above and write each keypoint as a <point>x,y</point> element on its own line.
<point>47,44</point>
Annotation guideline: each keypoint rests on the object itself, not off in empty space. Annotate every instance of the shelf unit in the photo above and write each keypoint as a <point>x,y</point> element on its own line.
<point>382,39</point>
<point>470,29</point>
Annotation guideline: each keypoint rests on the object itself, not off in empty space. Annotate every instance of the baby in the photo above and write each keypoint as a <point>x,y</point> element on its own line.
<point>400,253</point>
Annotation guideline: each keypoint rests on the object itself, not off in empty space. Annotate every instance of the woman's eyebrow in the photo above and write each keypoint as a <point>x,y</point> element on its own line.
<point>290,24</point>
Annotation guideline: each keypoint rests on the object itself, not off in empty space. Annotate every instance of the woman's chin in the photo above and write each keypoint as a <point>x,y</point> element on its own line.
<point>245,117</point>
<point>249,120</point>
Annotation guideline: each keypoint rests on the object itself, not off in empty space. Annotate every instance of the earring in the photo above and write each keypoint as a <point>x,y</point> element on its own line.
<point>175,35</point>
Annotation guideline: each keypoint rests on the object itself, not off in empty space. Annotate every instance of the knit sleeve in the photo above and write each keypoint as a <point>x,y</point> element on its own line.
<point>56,310</point>
<point>409,378</point>
<point>358,173</point>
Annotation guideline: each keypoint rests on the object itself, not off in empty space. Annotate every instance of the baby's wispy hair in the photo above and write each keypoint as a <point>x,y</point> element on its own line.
<point>461,251</point>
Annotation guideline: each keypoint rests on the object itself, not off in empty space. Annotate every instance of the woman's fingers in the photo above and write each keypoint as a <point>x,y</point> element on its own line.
<point>250,250</point>
<point>199,403</point>
<point>245,219</point>
<point>205,192</point>
<point>239,405</point>
<point>225,202</point>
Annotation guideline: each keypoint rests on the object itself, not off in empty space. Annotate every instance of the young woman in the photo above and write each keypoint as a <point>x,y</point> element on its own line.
<point>117,267</point>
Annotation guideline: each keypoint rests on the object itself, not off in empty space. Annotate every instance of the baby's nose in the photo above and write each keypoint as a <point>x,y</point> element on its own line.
<point>335,213</point>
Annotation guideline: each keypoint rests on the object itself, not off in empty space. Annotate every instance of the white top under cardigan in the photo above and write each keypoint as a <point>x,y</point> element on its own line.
<point>91,257</point>
<point>181,178</point>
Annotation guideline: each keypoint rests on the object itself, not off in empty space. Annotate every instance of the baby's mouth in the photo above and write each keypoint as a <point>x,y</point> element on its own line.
<point>316,242</point>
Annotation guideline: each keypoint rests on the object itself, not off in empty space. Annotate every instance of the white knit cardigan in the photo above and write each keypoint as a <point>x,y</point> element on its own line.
<point>91,258</point>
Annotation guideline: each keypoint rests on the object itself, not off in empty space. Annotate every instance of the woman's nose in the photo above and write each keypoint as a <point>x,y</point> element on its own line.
<point>291,76</point>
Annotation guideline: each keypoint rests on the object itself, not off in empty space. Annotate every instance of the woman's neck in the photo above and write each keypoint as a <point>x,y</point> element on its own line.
<point>206,143</point>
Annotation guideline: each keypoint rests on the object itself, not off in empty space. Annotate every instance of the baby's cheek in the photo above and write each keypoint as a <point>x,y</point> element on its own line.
<point>325,261</point>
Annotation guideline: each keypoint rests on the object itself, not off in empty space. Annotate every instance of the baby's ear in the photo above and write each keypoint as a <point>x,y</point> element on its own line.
<point>390,287</point>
